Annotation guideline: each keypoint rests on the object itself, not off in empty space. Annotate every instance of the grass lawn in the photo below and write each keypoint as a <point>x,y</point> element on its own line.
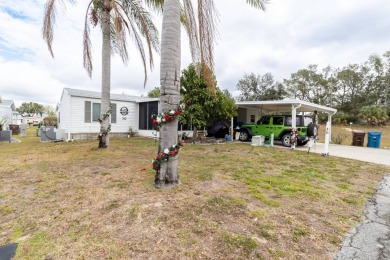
<point>235,201</point>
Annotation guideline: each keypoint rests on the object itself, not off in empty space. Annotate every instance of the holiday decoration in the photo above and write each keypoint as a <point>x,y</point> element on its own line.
<point>165,155</point>
<point>162,118</point>
<point>159,120</point>
<point>101,119</point>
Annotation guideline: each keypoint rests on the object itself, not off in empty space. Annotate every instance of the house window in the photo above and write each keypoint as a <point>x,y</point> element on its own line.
<point>253,118</point>
<point>146,110</point>
<point>93,111</point>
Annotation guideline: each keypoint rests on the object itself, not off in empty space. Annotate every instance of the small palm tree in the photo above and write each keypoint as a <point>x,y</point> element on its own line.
<point>201,30</point>
<point>116,18</point>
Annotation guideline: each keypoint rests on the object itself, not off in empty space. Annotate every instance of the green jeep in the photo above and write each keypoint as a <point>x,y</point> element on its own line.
<point>280,126</point>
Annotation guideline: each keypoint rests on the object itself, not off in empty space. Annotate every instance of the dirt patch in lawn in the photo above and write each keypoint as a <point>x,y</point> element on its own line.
<point>235,201</point>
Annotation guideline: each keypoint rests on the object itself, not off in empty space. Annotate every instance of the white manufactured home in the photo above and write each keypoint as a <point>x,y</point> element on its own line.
<point>8,114</point>
<point>79,110</point>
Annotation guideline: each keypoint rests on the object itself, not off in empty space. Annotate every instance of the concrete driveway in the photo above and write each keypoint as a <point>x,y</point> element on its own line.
<point>366,154</point>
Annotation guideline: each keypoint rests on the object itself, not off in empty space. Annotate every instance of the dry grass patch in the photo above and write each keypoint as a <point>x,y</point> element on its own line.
<point>342,134</point>
<point>235,201</point>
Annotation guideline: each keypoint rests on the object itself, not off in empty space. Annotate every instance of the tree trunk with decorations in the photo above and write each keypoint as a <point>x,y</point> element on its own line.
<point>105,125</point>
<point>167,175</point>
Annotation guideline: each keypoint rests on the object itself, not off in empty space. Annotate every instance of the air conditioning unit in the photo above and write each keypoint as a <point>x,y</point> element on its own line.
<point>50,133</point>
<point>5,136</point>
<point>258,140</point>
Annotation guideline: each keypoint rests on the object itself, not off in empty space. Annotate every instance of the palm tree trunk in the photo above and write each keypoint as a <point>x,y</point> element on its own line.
<point>168,174</point>
<point>106,73</point>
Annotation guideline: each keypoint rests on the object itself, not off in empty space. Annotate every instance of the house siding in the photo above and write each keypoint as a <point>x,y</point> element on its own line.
<point>123,122</point>
<point>71,112</point>
<point>64,113</point>
<point>7,110</point>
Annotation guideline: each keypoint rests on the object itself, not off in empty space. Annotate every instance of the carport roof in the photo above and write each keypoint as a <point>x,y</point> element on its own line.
<point>286,106</point>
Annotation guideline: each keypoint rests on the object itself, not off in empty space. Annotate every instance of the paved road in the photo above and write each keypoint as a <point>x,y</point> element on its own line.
<point>370,239</point>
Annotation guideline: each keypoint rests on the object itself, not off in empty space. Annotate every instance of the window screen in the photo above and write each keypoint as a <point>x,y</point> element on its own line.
<point>113,114</point>
<point>87,111</point>
<point>146,110</point>
<point>95,112</point>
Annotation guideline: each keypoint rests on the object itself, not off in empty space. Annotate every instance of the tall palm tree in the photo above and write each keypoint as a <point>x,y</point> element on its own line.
<point>201,32</point>
<point>116,18</point>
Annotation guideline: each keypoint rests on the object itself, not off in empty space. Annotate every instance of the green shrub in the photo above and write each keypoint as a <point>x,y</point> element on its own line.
<point>373,115</point>
<point>50,121</point>
<point>340,118</point>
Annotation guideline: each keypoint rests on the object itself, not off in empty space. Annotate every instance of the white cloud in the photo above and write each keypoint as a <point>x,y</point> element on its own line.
<point>288,37</point>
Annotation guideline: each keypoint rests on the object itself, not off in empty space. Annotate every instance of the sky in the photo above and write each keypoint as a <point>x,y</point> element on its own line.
<point>288,37</point>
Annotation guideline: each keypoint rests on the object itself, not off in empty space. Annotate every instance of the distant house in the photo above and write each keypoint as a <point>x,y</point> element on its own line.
<point>7,112</point>
<point>79,110</point>
<point>34,120</point>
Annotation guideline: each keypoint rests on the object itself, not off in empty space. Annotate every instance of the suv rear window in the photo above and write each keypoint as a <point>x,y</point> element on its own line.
<point>289,119</point>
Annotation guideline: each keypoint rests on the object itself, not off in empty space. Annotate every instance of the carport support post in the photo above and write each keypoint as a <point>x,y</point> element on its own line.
<point>330,126</point>
<point>328,132</point>
<point>326,145</point>
<point>293,123</point>
<point>232,132</point>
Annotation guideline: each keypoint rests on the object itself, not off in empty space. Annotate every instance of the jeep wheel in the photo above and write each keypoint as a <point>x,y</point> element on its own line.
<point>286,140</point>
<point>312,130</point>
<point>244,136</point>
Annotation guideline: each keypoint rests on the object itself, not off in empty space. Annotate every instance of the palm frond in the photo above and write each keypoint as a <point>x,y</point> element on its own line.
<point>87,55</point>
<point>145,25</point>
<point>259,4</point>
<point>207,17</point>
<point>118,32</point>
<point>156,5</point>
<point>188,20</point>
<point>139,44</point>
<point>131,25</point>
<point>49,19</point>
<point>48,22</point>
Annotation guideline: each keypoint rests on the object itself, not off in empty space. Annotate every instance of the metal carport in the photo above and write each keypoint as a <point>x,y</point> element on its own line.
<point>292,106</point>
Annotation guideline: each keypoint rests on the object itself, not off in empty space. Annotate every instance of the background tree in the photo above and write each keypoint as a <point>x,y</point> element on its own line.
<point>154,93</point>
<point>386,82</point>
<point>351,80</point>
<point>49,110</point>
<point>307,84</point>
<point>31,109</point>
<point>330,85</point>
<point>260,87</point>
<point>223,107</point>
<point>50,120</point>
<point>202,106</point>
<point>116,18</point>
<point>374,115</point>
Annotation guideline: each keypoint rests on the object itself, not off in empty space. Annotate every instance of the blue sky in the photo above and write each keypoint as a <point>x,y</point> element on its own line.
<point>290,36</point>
